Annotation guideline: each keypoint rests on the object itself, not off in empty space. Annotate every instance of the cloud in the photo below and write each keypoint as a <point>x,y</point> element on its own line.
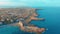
<point>12,3</point>
<point>5,3</point>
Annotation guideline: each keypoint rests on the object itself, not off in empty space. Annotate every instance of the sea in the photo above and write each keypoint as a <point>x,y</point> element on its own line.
<point>51,22</point>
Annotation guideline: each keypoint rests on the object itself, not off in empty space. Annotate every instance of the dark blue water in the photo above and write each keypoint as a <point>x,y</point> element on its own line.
<point>52,22</point>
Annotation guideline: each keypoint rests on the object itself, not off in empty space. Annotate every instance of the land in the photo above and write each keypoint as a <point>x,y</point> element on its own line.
<point>18,12</point>
<point>9,15</point>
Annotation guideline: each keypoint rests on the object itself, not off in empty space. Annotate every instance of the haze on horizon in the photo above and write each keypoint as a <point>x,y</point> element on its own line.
<point>35,3</point>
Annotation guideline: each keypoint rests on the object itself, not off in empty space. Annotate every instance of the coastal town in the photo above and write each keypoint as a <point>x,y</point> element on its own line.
<point>22,17</point>
<point>10,13</point>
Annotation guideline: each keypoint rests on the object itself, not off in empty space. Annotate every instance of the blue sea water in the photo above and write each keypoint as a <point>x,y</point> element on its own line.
<point>51,22</point>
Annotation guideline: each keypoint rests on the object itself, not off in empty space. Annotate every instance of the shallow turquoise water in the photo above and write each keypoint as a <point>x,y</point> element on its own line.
<point>52,22</point>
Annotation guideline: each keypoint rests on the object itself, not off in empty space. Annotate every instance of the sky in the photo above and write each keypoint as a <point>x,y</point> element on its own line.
<point>36,3</point>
